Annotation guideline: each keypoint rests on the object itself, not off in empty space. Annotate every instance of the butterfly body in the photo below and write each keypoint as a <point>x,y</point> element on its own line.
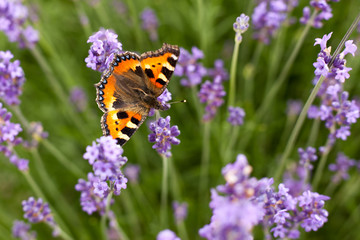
<point>130,87</point>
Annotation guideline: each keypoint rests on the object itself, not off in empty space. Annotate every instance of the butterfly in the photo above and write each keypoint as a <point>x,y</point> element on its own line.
<point>130,87</point>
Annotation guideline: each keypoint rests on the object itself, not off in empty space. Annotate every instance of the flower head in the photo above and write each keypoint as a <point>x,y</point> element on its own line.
<point>236,116</point>
<point>163,136</point>
<point>12,78</point>
<point>132,171</point>
<point>189,67</point>
<point>341,167</point>
<point>163,99</point>
<point>104,46</point>
<point>37,211</point>
<point>79,98</point>
<point>212,94</point>
<point>22,230</point>
<point>167,235</point>
<point>13,18</point>
<point>180,211</point>
<point>324,12</point>
<point>150,23</point>
<point>240,26</point>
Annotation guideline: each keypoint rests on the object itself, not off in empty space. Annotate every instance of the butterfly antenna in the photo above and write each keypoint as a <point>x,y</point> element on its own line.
<point>181,101</point>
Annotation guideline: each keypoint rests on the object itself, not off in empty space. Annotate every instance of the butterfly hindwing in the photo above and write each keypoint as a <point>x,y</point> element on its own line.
<point>124,64</point>
<point>121,124</point>
<point>159,65</point>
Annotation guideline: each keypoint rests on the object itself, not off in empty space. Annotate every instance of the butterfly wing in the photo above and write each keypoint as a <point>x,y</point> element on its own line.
<point>121,124</point>
<point>159,65</point>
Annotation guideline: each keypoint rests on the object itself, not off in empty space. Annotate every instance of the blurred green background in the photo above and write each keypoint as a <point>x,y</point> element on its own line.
<point>207,25</point>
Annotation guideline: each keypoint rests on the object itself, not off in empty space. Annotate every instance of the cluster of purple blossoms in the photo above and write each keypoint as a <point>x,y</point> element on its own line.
<point>236,116</point>
<point>9,138</point>
<point>341,167</point>
<point>37,211</point>
<point>12,78</point>
<point>150,23</point>
<point>104,46</point>
<point>106,158</point>
<point>163,99</point>
<point>294,108</point>
<point>167,235</point>
<point>180,211</point>
<point>268,17</point>
<point>189,67</point>
<point>13,18</point>
<point>79,98</point>
<point>212,94</point>
<point>324,12</point>
<point>163,136</point>
<point>296,179</point>
<point>37,133</point>
<point>240,26</point>
<point>21,230</point>
<point>336,110</point>
<point>246,202</point>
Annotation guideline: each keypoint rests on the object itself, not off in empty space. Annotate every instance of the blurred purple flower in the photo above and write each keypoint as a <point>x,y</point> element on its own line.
<point>163,136</point>
<point>79,98</point>
<point>212,94</point>
<point>189,67</point>
<point>150,23</point>
<point>341,167</point>
<point>180,211</point>
<point>324,12</point>
<point>9,138</point>
<point>294,108</point>
<point>13,18</point>
<point>218,72</point>
<point>236,116</point>
<point>167,235</point>
<point>132,171</point>
<point>268,17</point>
<point>21,230</point>
<point>104,46</point>
<point>37,133</point>
<point>12,79</point>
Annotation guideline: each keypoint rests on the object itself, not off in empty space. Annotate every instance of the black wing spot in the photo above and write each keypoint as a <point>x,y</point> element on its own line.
<point>122,115</point>
<point>149,73</point>
<point>166,72</point>
<point>172,61</point>
<point>135,121</point>
<point>128,131</point>
<point>120,141</point>
<point>162,82</point>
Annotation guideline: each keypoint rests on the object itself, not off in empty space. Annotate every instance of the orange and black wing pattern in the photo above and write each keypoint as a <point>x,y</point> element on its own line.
<point>159,66</point>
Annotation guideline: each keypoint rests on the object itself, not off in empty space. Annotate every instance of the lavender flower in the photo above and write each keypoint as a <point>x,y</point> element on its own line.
<point>163,136</point>
<point>294,108</point>
<point>150,23</point>
<point>268,16</point>
<point>37,133</point>
<point>132,171</point>
<point>240,26</point>
<point>336,110</point>
<point>341,167</point>
<point>21,230</point>
<point>218,72</point>
<point>246,202</point>
<point>236,116</point>
<point>11,78</point>
<point>212,94</point>
<point>13,18</point>
<point>104,46</point>
<point>189,68</point>
<point>180,211</point>
<point>9,138</point>
<point>167,235</point>
<point>79,98</point>
<point>324,12</point>
<point>106,158</point>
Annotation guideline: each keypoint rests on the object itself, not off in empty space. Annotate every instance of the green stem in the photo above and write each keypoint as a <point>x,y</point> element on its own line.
<point>164,193</point>
<point>105,216</point>
<point>296,130</point>
<point>313,133</point>
<point>268,100</point>
<point>205,160</point>
<point>233,67</point>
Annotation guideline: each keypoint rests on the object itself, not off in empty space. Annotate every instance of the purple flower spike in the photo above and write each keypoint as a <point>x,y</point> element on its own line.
<point>324,12</point>
<point>37,211</point>
<point>12,78</point>
<point>180,211</point>
<point>150,23</point>
<point>104,46</point>
<point>189,68</point>
<point>236,116</point>
<point>21,230</point>
<point>240,26</point>
<point>167,235</point>
<point>163,99</point>
<point>13,18</point>
<point>163,136</point>
<point>79,98</point>
<point>341,167</point>
<point>132,171</point>
<point>219,72</point>
<point>212,94</point>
